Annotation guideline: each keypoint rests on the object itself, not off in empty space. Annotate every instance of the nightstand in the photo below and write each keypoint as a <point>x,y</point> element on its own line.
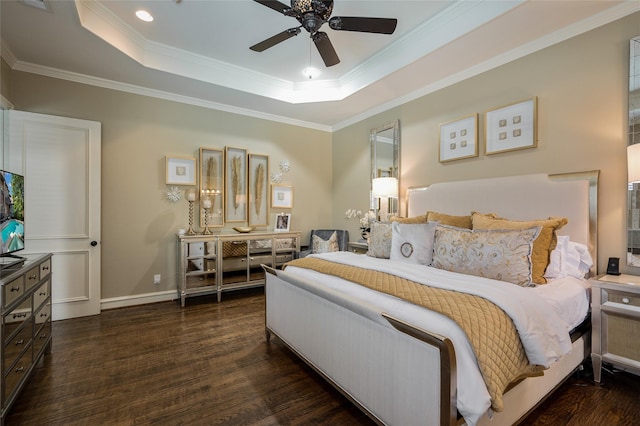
<point>358,247</point>
<point>615,320</point>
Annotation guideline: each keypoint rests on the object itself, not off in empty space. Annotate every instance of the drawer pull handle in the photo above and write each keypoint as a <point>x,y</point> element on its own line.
<point>43,315</point>
<point>625,300</point>
<point>45,268</point>
<point>33,277</point>
<point>15,289</point>
<point>20,315</point>
<point>20,342</point>
<point>19,369</point>
<point>43,293</point>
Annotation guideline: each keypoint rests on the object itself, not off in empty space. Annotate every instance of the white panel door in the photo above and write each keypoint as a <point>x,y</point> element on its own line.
<point>61,165</point>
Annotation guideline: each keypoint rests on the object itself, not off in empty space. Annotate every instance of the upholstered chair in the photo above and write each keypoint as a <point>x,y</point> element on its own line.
<point>341,234</point>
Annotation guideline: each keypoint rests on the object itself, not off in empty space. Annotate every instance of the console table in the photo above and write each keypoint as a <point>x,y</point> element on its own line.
<point>213,264</point>
<point>25,290</point>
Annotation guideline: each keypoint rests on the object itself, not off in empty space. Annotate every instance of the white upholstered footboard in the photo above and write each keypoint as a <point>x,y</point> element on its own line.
<point>394,377</point>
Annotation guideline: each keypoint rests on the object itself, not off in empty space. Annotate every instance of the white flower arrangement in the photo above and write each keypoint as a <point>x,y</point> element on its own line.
<point>364,219</point>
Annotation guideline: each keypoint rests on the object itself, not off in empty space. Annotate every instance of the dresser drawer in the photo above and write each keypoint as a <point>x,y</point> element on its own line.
<point>41,294</point>
<point>14,346</point>
<point>43,314</point>
<point>12,291</point>
<point>45,268</point>
<point>32,277</point>
<point>42,337</point>
<point>12,320</point>
<point>16,374</point>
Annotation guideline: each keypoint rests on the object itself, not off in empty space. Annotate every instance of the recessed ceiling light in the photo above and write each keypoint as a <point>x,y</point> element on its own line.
<point>311,72</point>
<point>143,15</point>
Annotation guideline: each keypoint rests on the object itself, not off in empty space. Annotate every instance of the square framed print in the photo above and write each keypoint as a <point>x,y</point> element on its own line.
<point>283,222</point>
<point>212,186</point>
<point>235,185</point>
<point>180,171</point>
<point>512,127</point>
<point>281,196</point>
<point>258,190</point>
<point>458,139</point>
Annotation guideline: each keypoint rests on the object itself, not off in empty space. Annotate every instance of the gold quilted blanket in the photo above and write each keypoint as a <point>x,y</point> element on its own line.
<point>493,336</point>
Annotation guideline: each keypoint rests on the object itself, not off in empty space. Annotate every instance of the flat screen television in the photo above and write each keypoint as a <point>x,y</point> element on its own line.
<point>11,217</point>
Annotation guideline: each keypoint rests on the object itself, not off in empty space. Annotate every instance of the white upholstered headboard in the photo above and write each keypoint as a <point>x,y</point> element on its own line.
<point>570,195</point>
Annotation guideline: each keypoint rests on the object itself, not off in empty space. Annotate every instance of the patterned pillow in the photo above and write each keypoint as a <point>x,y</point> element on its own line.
<point>544,244</point>
<point>321,246</point>
<point>413,242</point>
<point>500,254</point>
<point>380,240</point>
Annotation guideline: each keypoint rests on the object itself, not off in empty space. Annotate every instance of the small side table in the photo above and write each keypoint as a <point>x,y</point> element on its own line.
<point>615,321</point>
<point>358,247</point>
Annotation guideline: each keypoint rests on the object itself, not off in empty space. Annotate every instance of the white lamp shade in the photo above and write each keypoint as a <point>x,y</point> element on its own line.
<point>385,187</point>
<point>633,163</point>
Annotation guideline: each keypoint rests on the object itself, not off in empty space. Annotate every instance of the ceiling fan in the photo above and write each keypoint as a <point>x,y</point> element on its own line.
<point>312,14</point>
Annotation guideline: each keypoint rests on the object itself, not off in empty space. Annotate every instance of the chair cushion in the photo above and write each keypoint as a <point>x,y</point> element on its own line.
<point>318,245</point>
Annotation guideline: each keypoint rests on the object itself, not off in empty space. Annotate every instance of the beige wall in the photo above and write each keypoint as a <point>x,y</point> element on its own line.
<point>581,85</point>
<point>138,223</point>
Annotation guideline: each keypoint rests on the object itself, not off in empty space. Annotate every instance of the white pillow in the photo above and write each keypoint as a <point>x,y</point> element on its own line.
<point>321,246</point>
<point>412,242</point>
<point>569,259</point>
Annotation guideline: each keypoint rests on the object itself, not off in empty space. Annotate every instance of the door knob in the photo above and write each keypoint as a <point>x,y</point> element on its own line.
<point>94,243</point>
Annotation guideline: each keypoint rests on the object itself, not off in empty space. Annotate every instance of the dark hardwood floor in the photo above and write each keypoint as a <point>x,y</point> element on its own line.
<point>209,364</point>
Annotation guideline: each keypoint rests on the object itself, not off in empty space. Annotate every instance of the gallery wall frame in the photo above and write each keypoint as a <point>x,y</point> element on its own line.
<point>458,139</point>
<point>258,190</point>
<point>512,127</point>
<point>283,222</point>
<point>212,185</point>
<point>281,196</point>
<point>180,171</point>
<point>236,184</point>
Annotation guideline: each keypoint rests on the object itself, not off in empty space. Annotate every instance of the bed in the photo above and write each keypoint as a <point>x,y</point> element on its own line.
<point>406,365</point>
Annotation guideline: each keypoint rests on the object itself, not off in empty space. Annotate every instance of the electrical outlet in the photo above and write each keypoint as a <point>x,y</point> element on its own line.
<point>156,279</point>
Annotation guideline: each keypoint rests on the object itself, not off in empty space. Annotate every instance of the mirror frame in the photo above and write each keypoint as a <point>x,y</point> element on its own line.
<point>633,193</point>
<point>395,171</point>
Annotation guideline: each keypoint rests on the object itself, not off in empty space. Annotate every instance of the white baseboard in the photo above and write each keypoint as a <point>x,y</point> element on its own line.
<point>137,299</point>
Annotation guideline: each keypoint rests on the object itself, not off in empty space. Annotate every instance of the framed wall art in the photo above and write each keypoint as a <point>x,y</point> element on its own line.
<point>458,139</point>
<point>212,185</point>
<point>512,127</point>
<point>283,222</point>
<point>235,185</point>
<point>258,190</point>
<point>180,171</point>
<point>281,197</point>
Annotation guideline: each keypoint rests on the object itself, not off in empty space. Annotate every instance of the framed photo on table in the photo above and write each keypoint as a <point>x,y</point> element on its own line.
<point>281,196</point>
<point>180,171</point>
<point>283,222</point>
<point>258,190</point>
<point>459,139</point>
<point>512,127</point>
<point>236,185</point>
<point>212,185</point>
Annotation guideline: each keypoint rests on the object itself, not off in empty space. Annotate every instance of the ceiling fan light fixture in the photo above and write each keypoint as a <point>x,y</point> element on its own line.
<point>311,72</point>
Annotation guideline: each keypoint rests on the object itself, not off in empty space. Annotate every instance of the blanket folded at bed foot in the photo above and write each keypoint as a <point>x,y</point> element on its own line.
<point>491,332</point>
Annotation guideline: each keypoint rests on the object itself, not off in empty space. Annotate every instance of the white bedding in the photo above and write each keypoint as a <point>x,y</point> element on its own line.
<point>543,315</point>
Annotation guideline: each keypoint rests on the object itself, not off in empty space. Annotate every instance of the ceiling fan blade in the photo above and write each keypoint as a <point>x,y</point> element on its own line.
<point>365,25</point>
<point>275,5</point>
<point>325,48</point>
<point>278,38</point>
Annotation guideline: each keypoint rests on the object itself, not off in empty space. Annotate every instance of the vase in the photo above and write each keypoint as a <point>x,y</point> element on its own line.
<point>364,232</point>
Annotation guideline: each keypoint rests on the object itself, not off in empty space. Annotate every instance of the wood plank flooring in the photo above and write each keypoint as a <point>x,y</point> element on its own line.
<point>209,364</point>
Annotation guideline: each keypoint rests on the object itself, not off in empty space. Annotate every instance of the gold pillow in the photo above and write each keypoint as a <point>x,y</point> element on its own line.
<point>415,219</point>
<point>447,219</point>
<point>542,246</point>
